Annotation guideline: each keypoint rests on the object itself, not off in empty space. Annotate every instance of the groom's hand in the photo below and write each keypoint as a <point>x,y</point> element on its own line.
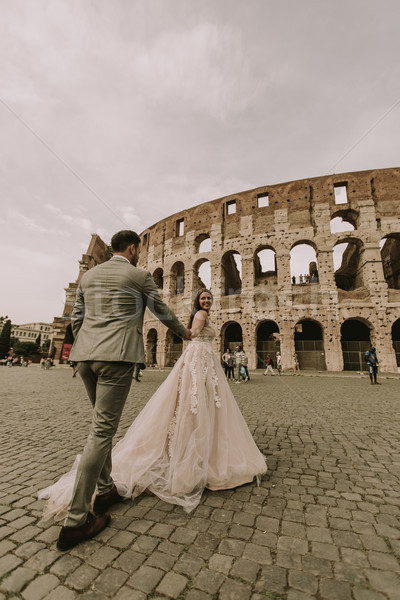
<point>188,334</point>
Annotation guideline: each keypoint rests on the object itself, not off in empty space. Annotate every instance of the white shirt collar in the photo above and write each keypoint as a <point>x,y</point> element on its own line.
<point>120,256</point>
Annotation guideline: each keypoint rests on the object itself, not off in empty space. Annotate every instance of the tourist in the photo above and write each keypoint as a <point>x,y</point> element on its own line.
<point>278,359</point>
<point>238,363</point>
<point>372,364</point>
<point>244,369</point>
<point>296,364</point>
<point>268,365</point>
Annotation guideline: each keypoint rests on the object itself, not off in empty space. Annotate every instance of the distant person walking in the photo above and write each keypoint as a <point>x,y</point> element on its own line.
<point>278,359</point>
<point>372,363</point>
<point>227,360</point>
<point>268,365</point>
<point>296,364</point>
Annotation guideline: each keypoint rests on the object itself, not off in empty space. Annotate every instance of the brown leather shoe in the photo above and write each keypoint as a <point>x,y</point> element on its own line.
<point>102,503</point>
<point>71,536</point>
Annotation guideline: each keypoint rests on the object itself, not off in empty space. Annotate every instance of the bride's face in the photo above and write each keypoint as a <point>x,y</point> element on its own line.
<point>205,301</point>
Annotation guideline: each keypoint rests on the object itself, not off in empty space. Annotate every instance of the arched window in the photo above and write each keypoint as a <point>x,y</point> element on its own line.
<point>231,266</point>
<point>268,342</point>
<point>202,274</point>
<point>344,220</point>
<point>348,264</point>
<point>178,278</point>
<point>173,348</point>
<point>265,266</point>
<point>396,340</point>
<point>355,339</point>
<point>151,347</point>
<point>158,277</point>
<point>231,336</point>
<point>203,243</point>
<point>303,263</point>
<point>309,344</point>
<point>390,253</point>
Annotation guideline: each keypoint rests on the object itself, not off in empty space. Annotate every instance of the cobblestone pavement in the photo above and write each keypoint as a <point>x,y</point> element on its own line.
<point>323,524</point>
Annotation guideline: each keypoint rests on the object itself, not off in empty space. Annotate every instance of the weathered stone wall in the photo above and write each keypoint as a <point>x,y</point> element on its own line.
<point>297,212</point>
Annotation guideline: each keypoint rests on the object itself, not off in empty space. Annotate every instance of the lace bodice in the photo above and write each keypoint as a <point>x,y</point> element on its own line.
<point>207,334</point>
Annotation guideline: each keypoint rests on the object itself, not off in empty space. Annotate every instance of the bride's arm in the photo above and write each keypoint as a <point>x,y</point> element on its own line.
<point>199,321</point>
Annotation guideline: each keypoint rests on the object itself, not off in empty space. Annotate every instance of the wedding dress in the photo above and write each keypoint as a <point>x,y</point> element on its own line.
<point>190,435</point>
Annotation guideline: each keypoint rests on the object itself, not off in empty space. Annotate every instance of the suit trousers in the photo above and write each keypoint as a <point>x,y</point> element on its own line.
<point>107,385</point>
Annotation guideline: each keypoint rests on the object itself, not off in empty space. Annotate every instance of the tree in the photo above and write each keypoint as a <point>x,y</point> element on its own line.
<point>5,337</point>
<point>38,340</point>
<point>46,344</point>
<point>25,348</point>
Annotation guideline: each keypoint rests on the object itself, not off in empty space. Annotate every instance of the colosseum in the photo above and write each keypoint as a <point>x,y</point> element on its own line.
<point>309,266</point>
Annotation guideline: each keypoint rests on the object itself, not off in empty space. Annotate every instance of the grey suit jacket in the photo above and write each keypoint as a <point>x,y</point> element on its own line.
<point>107,318</point>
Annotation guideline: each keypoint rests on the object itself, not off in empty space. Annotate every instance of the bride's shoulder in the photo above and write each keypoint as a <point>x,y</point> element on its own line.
<point>201,315</point>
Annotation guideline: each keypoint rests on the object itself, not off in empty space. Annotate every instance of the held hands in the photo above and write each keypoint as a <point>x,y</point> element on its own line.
<point>187,335</point>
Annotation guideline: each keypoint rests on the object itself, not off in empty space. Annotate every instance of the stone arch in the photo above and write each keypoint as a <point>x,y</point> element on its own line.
<point>309,344</point>
<point>231,278</point>
<point>347,258</point>
<point>178,278</point>
<point>231,335</point>
<point>158,277</point>
<point>203,243</point>
<point>265,271</point>
<point>303,262</point>
<point>173,348</point>
<point>390,253</point>
<point>396,340</point>
<point>151,347</point>
<point>267,341</point>
<point>342,218</point>
<point>355,340</point>
<point>201,274</point>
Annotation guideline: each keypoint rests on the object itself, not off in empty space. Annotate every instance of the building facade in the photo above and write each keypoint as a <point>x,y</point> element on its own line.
<point>30,331</point>
<point>310,267</point>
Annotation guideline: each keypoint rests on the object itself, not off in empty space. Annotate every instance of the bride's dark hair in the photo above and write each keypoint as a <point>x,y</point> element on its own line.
<point>196,304</point>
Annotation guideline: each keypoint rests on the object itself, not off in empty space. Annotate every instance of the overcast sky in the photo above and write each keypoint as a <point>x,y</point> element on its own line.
<point>118,113</point>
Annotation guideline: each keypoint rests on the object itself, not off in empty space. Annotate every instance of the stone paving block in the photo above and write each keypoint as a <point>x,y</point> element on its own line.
<point>296,595</point>
<point>334,590</point>
<point>146,579</point>
<point>245,569</point>
<point>61,593</point>
<point>172,585</point>
<point>65,565</point>
<point>8,563</point>
<point>129,561</point>
<point>234,590</point>
<point>259,554</point>
<point>363,593</point>
<point>25,534</point>
<point>17,580</point>
<point>198,595</point>
<point>292,544</point>
<point>317,566</point>
<point>244,518</point>
<point>102,557</point>
<point>42,559</point>
<point>208,581</point>
<point>303,581</point>
<point>49,535</point>
<point>240,532</point>
<point>265,539</point>
<point>110,581</point>
<point>5,547</point>
<point>126,593</point>
<point>222,515</point>
<point>145,544</point>
<point>350,573</point>
<point>122,540</point>
<point>384,561</point>
<point>354,557</point>
<point>40,587</point>
<point>267,524</point>
<point>291,529</point>
<point>199,524</point>
<point>190,565</point>
<point>327,551</point>
<point>160,560</point>
<point>272,579</point>
<point>171,548</point>
<point>140,526</point>
<point>183,535</point>
<point>288,560</point>
<point>82,577</point>
<point>385,582</point>
<point>5,531</point>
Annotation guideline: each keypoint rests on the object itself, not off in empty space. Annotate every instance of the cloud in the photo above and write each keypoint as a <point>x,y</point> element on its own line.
<point>205,68</point>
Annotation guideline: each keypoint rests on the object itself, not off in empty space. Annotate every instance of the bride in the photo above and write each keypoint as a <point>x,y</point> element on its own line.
<point>190,435</point>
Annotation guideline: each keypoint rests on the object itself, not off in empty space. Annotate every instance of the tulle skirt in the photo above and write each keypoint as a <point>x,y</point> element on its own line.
<point>190,435</point>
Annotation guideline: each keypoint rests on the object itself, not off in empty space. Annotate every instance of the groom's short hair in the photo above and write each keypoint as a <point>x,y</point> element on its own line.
<point>122,239</point>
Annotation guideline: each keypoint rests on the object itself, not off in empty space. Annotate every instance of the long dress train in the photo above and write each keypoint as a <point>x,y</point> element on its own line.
<point>190,435</point>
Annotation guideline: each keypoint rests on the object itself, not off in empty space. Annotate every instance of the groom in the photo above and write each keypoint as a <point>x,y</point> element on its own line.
<point>107,324</point>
